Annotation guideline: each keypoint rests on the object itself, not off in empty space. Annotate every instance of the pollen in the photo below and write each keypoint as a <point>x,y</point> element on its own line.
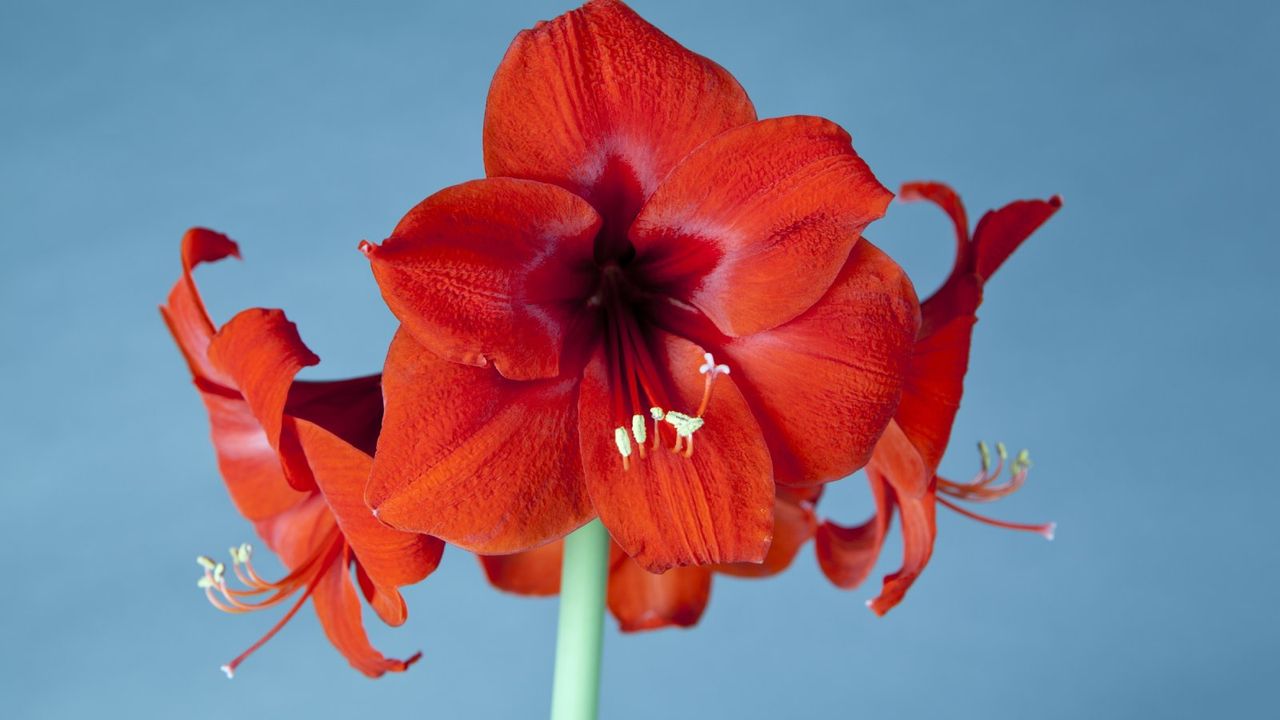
<point>639,430</point>
<point>623,441</point>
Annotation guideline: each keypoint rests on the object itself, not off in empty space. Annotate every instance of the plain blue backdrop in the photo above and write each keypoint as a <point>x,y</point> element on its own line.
<point>1130,345</point>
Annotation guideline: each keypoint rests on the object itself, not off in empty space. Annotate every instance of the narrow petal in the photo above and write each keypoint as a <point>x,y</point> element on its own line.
<point>669,510</point>
<point>491,271</point>
<point>918,531</point>
<point>338,607</point>
<point>825,385</point>
<point>641,600</point>
<point>1000,232</point>
<point>482,462</point>
<point>898,461</point>
<point>261,352</point>
<point>754,226</point>
<point>390,558</point>
<point>604,104</point>
<point>848,554</point>
<point>794,524</point>
<point>533,572</point>
<point>246,460</point>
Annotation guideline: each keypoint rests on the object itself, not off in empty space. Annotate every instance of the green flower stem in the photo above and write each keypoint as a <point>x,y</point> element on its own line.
<point>576,692</point>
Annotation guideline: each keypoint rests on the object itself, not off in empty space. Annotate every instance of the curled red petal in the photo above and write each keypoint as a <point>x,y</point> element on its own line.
<point>338,607</point>
<point>825,385</point>
<point>480,461</point>
<point>391,558</point>
<point>491,271</point>
<point>604,104</point>
<point>533,572</point>
<point>848,554</point>
<point>1000,232</point>
<point>754,226</point>
<point>641,600</point>
<point>247,462</point>
<point>919,528</point>
<point>669,510</point>
<point>261,352</point>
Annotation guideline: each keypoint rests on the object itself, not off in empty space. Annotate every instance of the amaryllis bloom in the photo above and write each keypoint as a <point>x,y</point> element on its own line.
<point>295,456</point>
<point>641,600</point>
<point>653,309</point>
<point>903,468</point>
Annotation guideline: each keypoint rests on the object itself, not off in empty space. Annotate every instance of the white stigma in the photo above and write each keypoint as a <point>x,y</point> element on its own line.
<point>623,441</point>
<point>711,367</point>
<point>227,669</point>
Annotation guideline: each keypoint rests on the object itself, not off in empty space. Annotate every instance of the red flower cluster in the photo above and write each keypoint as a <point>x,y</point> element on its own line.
<point>656,309</point>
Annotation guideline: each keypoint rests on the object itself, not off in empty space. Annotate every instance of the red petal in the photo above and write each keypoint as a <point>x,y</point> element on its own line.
<point>1000,232</point>
<point>603,103</point>
<point>753,226</point>
<point>491,270</point>
<point>669,510</point>
<point>261,351</point>
<point>931,395</point>
<point>350,409</point>
<point>338,607</point>
<point>794,524</point>
<point>482,462</point>
<point>641,600</point>
<point>391,558</point>
<point>298,533</point>
<point>848,554</point>
<point>918,531</point>
<point>532,572</point>
<point>898,461</point>
<point>825,384</point>
<point>246,460</point>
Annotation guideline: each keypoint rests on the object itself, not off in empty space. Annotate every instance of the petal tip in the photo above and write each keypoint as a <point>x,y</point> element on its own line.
<point>367,248</point>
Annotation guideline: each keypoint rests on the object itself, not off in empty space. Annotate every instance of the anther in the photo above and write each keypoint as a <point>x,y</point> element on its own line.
<point>639,430</point>
<point>986,456</point>
<point>623,441</point>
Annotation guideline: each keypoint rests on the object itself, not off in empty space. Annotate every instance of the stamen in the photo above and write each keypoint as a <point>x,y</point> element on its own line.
<point>623,441</point>
<point>1045,530</point>
<point>640,431</point>
<point>712,371</point>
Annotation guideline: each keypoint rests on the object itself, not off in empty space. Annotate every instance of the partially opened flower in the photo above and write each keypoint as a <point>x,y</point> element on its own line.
<point>295,456</point>
<point>640,600</point>
<point>655,308</point>
<point>903,467</point>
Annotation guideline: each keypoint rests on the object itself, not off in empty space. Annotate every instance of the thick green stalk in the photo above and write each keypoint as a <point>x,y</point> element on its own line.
<point>576,692</point>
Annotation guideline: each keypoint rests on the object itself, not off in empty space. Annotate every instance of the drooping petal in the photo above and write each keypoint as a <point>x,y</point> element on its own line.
<point>338,606</point>
<point>754,226</point>
<point>898,462</point>
<point>482,462</point>
<point>604,104</point>
<point>918,531</point>
<point>491,271</point>
<point>641,600</point>
<point>931,395</point>
<point>1000,232</point>
<point>533,572</point>
<point>825,385</point>
<point>261,352</point>
<point>669,510</point>
<point>299,533</point>
<point>246,460</point>
<point>794,524</point>
<point>848,554</point>
<point>390,558</point>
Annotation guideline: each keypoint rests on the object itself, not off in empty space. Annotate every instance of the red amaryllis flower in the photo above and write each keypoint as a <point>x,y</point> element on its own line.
<point>903,468</point>
<point>295,456</point>
<point>641,600</point>
<point>655,307</point>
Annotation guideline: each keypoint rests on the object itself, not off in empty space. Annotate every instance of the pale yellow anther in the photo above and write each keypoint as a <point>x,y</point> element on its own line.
<point>638,429</point>
<point>986,456</point>
<point>206,562</point>
<point>240,555</point>
<point>1002,451</point>
<point>656,413</point>
<point>685,425</point>
<point>205,582</point>
<point>623,441</point>
<point>1021,463</point>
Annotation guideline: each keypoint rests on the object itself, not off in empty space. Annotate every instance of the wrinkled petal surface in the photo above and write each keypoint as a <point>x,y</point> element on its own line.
<point>825,385</point>
<point>754,225</point>
<point>338,606</point>
<point>794,524</point>
<point>482,462</point>
<point>604,104</point>
<point>668,510</point>
<point>491,270</point>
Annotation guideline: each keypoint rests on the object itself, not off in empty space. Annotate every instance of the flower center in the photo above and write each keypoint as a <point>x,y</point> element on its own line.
<point>637,393</point>
<point>260,594</point>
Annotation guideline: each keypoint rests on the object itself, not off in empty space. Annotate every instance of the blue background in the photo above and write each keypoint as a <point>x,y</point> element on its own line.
<point>1130,345</point>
